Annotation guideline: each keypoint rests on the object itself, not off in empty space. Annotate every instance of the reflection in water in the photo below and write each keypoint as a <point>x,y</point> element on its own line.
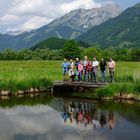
<point>87,113</point>
<point>111,121</point>
<point>63,119</point>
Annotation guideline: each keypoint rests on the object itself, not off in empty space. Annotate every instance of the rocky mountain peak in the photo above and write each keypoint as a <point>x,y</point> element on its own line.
<point>84,19</point>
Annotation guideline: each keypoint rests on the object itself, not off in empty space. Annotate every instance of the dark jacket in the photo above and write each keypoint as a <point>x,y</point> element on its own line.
<point>103,65</point>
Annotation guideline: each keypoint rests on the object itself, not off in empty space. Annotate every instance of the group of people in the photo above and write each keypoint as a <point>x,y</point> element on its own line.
<point>88,70</point>
<point>87,114</point>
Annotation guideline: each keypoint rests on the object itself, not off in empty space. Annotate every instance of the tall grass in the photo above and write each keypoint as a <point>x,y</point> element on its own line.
<point>20,75</point>
<point>121,88</point>
<point>21,70</point>
<point>127,80</point>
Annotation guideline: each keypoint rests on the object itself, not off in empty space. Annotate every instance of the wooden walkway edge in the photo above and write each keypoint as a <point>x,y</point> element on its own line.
<point>81,84</point>
<point>65,87</point>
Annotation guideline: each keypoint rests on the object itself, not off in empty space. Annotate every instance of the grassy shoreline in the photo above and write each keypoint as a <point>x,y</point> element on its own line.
<point>24,75</point>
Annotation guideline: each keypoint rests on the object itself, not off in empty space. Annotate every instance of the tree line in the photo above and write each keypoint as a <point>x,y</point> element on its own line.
<point>72,49</point>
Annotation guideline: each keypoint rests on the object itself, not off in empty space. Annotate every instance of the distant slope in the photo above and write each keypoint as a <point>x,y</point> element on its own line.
<point>6,41</point>
<point>51,43</point>
<point>123,30</point>
<point>68,26</point>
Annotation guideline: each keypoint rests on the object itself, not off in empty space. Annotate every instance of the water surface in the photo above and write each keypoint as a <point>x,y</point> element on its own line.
<point>47,118</point>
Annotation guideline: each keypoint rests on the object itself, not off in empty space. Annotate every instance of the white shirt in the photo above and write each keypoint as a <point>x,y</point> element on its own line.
<point>72,65</point>
<point>95,63</point>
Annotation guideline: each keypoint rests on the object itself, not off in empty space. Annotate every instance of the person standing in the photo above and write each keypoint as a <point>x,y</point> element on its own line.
<point>76,66</point>
<point>95,64</point>
<point>65,67</point>
<point>111,66</point>
<point>84,67</point>
<point>103,69</point>
<point>71,70</point>
<point>80,71</point>
<point>89,71</point>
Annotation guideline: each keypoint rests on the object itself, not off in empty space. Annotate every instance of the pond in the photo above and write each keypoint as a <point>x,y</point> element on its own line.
<point>48,118</point>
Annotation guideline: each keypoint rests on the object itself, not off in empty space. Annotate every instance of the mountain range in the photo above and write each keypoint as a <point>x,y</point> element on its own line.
<point>69,26</point>
<point>121,31</point>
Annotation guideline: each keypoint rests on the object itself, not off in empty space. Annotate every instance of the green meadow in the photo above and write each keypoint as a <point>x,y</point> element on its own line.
<point>22,70</point>
<point>21,75</point>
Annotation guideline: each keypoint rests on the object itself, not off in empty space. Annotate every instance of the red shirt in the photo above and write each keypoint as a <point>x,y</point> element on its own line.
<point>89,66</point>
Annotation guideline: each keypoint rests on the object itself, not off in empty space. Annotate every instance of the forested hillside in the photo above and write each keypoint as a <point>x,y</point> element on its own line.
<point>122,31</point>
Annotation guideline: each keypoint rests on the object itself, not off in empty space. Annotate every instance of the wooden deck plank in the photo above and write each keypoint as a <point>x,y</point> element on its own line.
<point>61,88</point>
<point>79,84</point>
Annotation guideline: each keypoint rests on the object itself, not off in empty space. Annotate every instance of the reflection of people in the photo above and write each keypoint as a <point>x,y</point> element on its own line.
<point>111,66</point>
<point>65,116</point>
<point>80,116</point>
<point>71,116</point>
<point>85,114</point>
<point>102,120</point>
<point>96,124</point>
<point>111,120</point>
<point>88,119</point>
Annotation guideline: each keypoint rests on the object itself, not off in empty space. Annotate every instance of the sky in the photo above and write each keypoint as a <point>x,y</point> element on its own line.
<point>31,14</point>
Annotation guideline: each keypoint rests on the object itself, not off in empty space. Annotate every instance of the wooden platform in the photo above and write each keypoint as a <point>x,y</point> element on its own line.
<point>81,84</point>
<point>65,87</point>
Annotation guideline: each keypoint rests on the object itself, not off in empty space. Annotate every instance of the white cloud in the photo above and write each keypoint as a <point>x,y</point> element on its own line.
<point>35,22</point>
<point>8,18</point>
<point>31,14</point>
<point>23,7</point>
<point>87,4</point>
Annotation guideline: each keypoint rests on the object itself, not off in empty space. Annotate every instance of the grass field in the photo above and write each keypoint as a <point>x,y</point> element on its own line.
<point>26,74</point>
<point>22,70</point>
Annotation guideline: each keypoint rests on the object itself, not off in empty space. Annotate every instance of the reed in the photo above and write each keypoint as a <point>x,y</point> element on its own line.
<point>118,88</point>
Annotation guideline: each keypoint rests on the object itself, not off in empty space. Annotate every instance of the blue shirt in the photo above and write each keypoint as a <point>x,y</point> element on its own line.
<point>65,65</point>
